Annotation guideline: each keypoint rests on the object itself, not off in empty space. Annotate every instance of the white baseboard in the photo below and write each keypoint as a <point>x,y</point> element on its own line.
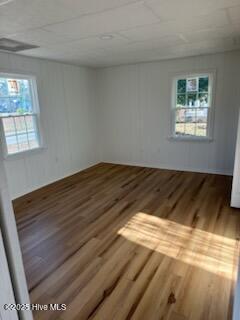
<point>188,169</point>
<point>222,172</point>
<point>54,180</point>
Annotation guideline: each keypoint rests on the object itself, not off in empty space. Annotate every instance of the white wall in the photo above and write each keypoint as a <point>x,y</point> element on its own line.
<point>134,113</point>
<point>235,199</point>
<point>68,118</point>
<point>127,121</point>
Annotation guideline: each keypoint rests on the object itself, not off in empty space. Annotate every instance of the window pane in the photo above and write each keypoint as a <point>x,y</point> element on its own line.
<point>29,123</point>
<point>21,133</point>
<point>8,125</point>
<point>179,128</point>
<point>201,129</point>
<point>24,87</point>
<point>190,115</point>
<point>203,84</point>
<point>4,105</point>
<point>204,100</point>
<point>12,144</point>
<point>192,100</point>
<point>181,86</point>
<point>32,131</point>
<point>17,113</point>
<point>190,129</point>
<point>26,106</point>
<point>185,122</point>
<point>202,115</point>
<point>18,93</point>
<point>181,100</point>
<point>23,142</point>
<point>180,122</point>
<point>20,105</point>
<point>20,125</point>
<point>10,135</point>
<point>15,104</point>
<point>3,88</point>
<point>33,140</point>
<point>192,84</point>
<point>192,106</point>
<point>180,115</point>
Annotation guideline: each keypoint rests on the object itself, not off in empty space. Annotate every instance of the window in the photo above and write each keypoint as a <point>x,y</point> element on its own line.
<point>192,107</point>
<point>19,113</point>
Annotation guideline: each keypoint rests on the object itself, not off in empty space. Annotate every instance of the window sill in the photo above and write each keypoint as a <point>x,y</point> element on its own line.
<point>22,154</point>
<point>190,139</point>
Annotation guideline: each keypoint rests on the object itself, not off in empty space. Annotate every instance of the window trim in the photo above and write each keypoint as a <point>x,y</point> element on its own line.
<point>212,81</point>
<point>36,112</point>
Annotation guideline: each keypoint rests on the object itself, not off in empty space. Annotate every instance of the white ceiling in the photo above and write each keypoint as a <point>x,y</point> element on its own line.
<point>71,30</point>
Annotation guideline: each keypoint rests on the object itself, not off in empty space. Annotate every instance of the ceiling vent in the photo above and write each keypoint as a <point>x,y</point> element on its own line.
<point>14,46</point>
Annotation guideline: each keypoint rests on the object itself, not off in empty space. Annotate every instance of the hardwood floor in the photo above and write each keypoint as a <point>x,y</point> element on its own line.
<point>120,242</point>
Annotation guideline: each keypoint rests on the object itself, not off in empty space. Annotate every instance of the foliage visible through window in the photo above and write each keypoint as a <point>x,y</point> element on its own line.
<point>192,106</point>
<point>18,114</point>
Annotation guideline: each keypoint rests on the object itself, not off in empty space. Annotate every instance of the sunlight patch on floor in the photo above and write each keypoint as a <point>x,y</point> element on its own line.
<point>209,251</point>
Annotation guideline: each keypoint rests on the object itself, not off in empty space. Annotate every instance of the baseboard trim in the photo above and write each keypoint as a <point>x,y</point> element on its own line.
<point>38,188</point>
<point>164,167</point>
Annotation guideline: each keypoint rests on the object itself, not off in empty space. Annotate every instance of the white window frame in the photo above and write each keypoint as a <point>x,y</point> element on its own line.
<point>35,112</point>
<point>211,74</point>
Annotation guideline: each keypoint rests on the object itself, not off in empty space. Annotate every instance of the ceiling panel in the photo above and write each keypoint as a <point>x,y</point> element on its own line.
<point>77,47</point>
<point>189,24</point>
<point>210,34</point>
<point>164,42</point>
<point>39,37</point>
<point>8,26</point>
<point>37,13</point>
<point>94,43</point>
<point>182,9</point>
<point>60,55</point>
<point>140,30</point>
<point>106,22</point>
<point>84,7</point>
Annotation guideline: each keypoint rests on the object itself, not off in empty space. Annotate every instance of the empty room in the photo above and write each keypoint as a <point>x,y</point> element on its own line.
<point>119,159</point>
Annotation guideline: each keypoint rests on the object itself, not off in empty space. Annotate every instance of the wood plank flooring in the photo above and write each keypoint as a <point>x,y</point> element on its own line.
<point>121,242</point>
